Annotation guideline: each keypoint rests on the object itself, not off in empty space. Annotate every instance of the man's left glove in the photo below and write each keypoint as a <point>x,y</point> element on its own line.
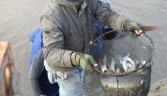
<point>84,60</point>
<point>132,26</point>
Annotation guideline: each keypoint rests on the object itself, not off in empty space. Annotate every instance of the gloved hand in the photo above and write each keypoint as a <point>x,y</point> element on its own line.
<point>132,26</point>
<point>85,61</point>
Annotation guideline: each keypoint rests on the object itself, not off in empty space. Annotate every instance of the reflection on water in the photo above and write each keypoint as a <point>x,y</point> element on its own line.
<point>19,18</point>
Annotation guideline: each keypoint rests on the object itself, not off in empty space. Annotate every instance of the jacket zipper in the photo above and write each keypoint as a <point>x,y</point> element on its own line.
<point>81,25</point>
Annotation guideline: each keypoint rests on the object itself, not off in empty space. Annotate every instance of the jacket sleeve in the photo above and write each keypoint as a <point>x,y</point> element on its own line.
<point>35,72</point>
<point>32,37</point>
<point>53,40</point>
<point>108,16</point>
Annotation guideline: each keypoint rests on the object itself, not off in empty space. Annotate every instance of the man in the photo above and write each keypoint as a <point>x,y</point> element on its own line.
<point>38,74</point>
<point>67,27</point>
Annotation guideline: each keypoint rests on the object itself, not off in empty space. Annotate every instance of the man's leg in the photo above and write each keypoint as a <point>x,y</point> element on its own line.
<point>72,84</point>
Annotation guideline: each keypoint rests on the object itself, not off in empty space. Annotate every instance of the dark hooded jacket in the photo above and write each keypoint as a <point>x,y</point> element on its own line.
<point>68,27</point>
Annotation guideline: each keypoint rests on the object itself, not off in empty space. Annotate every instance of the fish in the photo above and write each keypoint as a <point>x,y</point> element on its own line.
<point>123,61</point>
<point>112,65</point>
<point>149,64</point>
<point>125,64</point>
<point>119,68</point>
<point>103,64</point>
<point>143,62</point>
<point>128,64</point>
<point>132,65</point>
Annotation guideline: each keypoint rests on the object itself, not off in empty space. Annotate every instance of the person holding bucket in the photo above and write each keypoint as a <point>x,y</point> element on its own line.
<point>67,27</point>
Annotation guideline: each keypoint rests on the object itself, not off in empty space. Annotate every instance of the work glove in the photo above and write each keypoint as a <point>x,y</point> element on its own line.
<point>132,26</point>
<point>85,61</point>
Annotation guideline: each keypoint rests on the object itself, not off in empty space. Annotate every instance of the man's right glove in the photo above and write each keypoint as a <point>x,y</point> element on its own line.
<point>85,61</point>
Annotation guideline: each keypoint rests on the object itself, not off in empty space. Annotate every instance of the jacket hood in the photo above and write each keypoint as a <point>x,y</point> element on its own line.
<point>69,3</point>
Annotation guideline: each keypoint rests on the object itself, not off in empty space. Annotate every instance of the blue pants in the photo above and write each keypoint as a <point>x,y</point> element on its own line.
<point>70,82</point>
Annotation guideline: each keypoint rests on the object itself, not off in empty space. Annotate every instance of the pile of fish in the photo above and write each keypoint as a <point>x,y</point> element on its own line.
<point>133,84</point>
<point>122,65</point>
<point>120,57</point>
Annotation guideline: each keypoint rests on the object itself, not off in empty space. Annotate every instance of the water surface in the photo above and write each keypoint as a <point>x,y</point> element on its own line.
<point>19,18</point>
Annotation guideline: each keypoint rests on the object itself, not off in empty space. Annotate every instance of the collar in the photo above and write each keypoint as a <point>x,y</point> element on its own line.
<point>79,5</point>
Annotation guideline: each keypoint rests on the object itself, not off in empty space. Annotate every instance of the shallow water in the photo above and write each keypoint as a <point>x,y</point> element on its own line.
<point>19,18</point>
